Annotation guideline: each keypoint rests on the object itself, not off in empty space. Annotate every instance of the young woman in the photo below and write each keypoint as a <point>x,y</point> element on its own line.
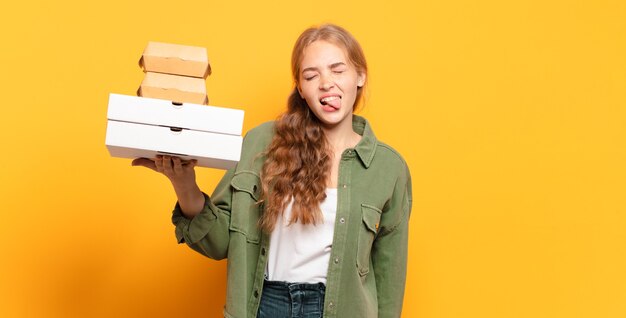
<point>314,218</point>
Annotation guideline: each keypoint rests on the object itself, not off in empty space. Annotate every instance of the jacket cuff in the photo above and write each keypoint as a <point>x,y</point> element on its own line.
<point>183,225</point>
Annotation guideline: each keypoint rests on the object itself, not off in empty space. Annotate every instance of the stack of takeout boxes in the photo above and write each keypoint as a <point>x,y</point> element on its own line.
<point>170,115</point>
<point>175,72</point>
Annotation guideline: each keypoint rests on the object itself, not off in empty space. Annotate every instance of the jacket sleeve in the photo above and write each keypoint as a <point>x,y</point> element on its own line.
<point>390,249</point>
<point>208,233</point>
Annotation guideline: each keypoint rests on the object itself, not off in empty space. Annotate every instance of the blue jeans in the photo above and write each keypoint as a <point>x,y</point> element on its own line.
<point>291,300</point>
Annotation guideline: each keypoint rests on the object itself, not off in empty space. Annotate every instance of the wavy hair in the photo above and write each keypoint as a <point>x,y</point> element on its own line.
<point>298,159</point>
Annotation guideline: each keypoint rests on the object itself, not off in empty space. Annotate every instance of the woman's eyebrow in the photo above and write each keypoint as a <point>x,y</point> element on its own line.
<point>309,69</point>
<point>334,65</point>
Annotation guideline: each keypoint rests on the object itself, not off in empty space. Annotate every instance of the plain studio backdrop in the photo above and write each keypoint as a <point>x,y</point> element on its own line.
<point>510,114</point>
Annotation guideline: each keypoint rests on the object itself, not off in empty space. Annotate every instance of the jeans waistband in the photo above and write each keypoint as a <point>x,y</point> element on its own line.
<point>295,286</point>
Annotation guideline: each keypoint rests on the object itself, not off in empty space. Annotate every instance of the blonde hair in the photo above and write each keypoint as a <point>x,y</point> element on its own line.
<point>298,158</point>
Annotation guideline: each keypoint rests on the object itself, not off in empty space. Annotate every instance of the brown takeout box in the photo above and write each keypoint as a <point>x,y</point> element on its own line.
<point>181,89</point>
<point>175,59</point>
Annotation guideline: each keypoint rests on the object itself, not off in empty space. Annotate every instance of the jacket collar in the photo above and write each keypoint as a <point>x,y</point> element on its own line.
<point>366,148</point>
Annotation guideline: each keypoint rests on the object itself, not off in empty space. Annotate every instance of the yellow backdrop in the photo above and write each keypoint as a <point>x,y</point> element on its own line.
<point>511,115</point>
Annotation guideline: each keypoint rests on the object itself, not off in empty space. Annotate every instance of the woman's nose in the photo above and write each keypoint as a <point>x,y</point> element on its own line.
<point>326,83</point>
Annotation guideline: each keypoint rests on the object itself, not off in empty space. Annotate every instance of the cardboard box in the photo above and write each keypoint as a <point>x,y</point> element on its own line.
<point>175,59</point>
<point>144,127</point>
<point>180,89</point>
<point>160,112</point>
<point>128,140</point>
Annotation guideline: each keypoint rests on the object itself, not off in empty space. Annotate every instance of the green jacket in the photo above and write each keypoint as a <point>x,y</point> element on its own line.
<point>367,269</point>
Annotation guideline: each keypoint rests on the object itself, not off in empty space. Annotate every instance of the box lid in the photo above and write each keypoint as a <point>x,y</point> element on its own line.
<point>159,112</point>
<point>178,82</point>
<point>175,59</point>
<point>175,88</point>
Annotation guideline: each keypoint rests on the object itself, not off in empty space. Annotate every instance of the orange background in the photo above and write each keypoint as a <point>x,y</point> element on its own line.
<point>511,115</point>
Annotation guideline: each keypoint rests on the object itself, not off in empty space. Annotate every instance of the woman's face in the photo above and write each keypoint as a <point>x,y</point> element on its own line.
<point>328,82</point>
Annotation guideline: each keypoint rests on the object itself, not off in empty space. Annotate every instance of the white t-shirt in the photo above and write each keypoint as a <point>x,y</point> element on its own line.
<point>300,253</point>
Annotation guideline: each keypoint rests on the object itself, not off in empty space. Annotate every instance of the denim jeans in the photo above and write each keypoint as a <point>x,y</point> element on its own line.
<point>291,300</point>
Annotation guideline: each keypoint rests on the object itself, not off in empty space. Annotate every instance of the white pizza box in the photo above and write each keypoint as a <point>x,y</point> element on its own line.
<point>160,112</point>
<point>145,127</point>
<point>130,140</point>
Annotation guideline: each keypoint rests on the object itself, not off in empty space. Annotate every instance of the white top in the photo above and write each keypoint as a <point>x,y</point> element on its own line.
<point>300,253</point>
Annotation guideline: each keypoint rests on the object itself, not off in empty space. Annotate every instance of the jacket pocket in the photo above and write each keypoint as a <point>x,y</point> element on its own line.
<point>371,218</point>
<point>246,210</point>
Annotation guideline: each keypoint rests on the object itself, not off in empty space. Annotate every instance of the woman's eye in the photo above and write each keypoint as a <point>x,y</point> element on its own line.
<point>310,77</point>
<point>338,71</point>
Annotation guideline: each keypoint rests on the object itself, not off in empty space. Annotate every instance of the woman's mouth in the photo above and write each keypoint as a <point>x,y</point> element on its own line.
<point>331,103</point>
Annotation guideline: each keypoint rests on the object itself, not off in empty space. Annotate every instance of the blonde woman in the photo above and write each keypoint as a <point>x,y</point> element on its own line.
<point>314,218</point>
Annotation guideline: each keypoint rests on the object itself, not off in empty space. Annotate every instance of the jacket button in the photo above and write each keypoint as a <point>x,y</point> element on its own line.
<point>336,260</point>
<point>331,305</point>
<point>342,220</point>
<point>256,293</point>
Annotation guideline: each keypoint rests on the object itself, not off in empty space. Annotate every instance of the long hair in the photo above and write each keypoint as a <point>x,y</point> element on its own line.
<point>298,160</point>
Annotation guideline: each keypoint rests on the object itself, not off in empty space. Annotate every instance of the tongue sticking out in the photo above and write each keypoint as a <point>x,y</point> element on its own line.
<point>333,102</point>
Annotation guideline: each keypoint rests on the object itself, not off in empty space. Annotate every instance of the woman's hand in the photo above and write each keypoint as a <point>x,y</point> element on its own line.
<point>182,175</point>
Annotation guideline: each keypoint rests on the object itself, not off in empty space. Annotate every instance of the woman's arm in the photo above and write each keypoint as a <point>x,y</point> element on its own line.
<point>390,250</point>
<point>200,221</point>
<point>182,175</point>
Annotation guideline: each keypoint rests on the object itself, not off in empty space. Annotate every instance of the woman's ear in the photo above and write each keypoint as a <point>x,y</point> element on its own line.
<point>360,80</point>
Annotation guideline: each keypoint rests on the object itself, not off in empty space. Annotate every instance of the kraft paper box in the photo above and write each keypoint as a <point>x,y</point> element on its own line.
<point>145,127</point>
<point>181,89</point>
<point>175,59</point>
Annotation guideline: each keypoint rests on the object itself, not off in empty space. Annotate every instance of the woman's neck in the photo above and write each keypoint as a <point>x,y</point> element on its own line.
<point>342,136</point>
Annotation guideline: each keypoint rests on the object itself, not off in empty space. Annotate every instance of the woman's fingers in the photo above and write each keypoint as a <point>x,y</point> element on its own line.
<point>178,166</point>
<point>188,166</point>
<point>158,162</point>
<point>172,167</point>
<point>168,170</point>
<point>145,162</point>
